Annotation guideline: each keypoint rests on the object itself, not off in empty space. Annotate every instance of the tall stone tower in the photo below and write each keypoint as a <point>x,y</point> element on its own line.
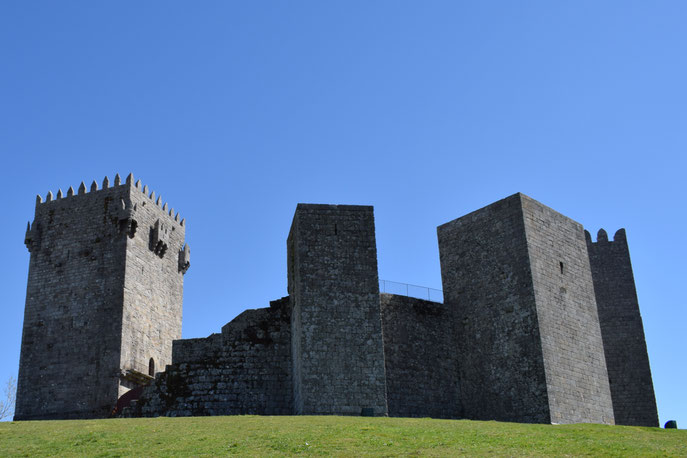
<point>530,350</point>
<point>629,374</point>
<point>104,298</point>
<point>337,346</point>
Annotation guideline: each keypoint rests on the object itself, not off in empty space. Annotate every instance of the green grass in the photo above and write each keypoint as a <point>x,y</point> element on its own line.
<point>344,436</point>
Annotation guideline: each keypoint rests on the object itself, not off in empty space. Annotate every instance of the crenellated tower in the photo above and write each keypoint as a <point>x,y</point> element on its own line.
<point>622,330</point>
<point>103,301</point>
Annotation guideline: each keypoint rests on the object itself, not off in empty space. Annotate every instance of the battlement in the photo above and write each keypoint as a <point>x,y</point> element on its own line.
<point>602,236</point>
<point>51,199</point>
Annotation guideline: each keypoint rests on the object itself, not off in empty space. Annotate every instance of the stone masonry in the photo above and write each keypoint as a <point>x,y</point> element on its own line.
<point>420,357</point>
<point>244,370</point>
<point>337,346</point>
<point>535,321</point>
<point>517,275</point>
<point>103,301</point>
<point>622,330</point>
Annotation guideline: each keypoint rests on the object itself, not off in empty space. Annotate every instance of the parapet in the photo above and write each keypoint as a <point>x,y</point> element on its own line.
<point>602,237</point>
<point>50,199</point>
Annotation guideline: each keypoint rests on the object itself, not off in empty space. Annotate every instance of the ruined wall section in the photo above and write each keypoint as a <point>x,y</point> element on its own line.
<point>70,350</point>
<point>245,370</point>
<point>338,355</point>
<point>576,377</point>
<point>487,282</point>
<point>153,283</point>
<point>421,361</point>
<point>622,330</point>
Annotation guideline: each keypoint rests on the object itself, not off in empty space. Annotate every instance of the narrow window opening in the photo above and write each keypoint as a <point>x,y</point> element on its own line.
<point>336,229</point>
<point>562,267</point>
<point>151,367</point>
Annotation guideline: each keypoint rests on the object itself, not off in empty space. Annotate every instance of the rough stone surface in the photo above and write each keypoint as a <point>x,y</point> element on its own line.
<point>574,363</point>
<point>337,347</point>
<point>487,281</point>
<point>245,370</point>
<point>622,330</point>
<point>153,289</point>
<point>99,302</point>
<point>530,350</point>
<point>419,350</point>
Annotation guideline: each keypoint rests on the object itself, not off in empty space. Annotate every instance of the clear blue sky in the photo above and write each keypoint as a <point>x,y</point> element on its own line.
<point>237,111</point>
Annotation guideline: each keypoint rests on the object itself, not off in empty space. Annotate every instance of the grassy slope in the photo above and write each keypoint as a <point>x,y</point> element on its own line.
<point>251,435</point>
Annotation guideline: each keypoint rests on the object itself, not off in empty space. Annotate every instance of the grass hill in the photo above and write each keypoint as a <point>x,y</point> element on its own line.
<point>347,436</point>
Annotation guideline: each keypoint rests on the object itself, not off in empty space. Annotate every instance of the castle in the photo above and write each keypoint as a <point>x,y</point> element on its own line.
<point>539,323</point>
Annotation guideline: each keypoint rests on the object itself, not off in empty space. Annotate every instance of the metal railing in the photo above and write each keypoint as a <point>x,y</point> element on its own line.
<point>406,289</point>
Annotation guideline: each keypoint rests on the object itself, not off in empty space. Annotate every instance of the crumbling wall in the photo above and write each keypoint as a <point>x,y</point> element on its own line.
<point>244,370</point>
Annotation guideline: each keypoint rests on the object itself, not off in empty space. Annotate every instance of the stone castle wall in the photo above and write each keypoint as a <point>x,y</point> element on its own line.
<point>574,363</point>
<point>245,370</point>
<point>622,329</point>
<point>70,351</point>
<point>153,286</point>
<point>420,357</point>
<point>487,282</point>
<point>517,274</point>
<point>338,355</point>
<point>100,300</point>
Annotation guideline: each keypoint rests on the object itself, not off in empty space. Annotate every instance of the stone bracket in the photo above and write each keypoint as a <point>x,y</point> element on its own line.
<point>158,239</point>
<point>126,218</point>
<point>184,259</point>
<point>32,239</point>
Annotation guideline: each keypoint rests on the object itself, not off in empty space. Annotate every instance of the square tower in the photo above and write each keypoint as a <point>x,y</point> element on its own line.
<point>518,277</point>
<point>629,373</point>
<point>103,301</point>
<point>337,346</point>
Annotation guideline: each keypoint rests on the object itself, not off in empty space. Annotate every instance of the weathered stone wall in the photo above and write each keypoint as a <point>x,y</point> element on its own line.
<point>153,286</point>
<point>244,370</point>
<point>487,281</point>
<point>622,330</point>
<point>518,274</point>
<point>72,322</point>
<point>420,357</point>
<point>338,354</point>
<point>97,302</point>
<point>574,363</point>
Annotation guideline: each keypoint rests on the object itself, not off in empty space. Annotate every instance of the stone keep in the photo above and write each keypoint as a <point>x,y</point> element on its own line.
<point>336,330</point>
<point>104,299</point>
<point>517,275</point>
